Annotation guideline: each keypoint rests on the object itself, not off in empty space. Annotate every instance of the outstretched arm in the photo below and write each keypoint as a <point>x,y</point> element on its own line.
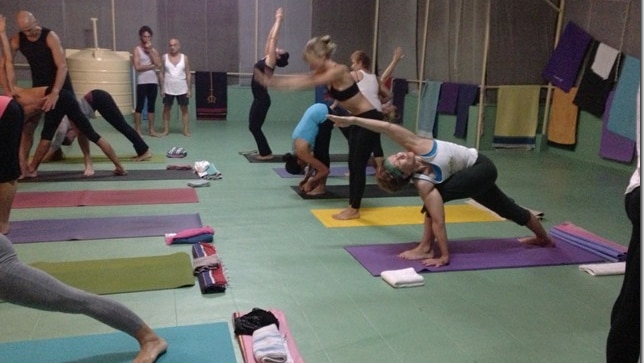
<point>399,134</point>
<point>7,73</point>
<point>271,42</point>
<point>398,55</point>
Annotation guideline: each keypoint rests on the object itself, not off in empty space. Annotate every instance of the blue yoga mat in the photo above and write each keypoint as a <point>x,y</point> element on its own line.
<point>192,343</point>
<point>51,230</point>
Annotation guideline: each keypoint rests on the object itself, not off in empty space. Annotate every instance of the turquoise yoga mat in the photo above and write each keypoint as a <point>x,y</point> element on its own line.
<point>192,343</point>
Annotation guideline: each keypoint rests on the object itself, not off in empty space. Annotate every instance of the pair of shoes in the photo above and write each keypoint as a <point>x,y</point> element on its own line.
<point>176,152</point>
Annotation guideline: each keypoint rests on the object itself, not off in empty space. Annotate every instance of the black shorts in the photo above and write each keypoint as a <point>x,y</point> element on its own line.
<point>182,100</point>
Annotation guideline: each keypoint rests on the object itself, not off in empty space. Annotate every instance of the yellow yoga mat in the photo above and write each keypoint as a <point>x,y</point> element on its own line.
<point>393,216</point>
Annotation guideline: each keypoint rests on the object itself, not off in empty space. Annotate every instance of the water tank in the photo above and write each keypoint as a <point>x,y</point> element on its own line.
<point>98,68</point>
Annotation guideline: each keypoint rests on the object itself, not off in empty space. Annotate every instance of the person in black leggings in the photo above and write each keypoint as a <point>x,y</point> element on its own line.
<point>11,121</point>
<point>261,99</point>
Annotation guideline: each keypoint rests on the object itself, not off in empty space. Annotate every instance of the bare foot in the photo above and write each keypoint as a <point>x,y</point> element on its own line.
<point>537,241</point>
<point>186,132</point>
<point>4,228</point>
<point>120,171</point>
<point>438,262</point>
<point>155,134</point>
<point>89,171</point>
<point>347,214</point>
<point>417,253</point>
<point>29,173</point>
<point>263,157</point>
<point>143,157</point>
<point>151,350</point>
<point>319,190</point>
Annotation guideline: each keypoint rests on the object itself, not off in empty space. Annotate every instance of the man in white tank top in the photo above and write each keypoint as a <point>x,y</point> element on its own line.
<point>175,83</point>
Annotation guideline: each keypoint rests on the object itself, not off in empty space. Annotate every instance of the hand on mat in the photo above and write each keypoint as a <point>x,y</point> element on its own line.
<point>438,262</point>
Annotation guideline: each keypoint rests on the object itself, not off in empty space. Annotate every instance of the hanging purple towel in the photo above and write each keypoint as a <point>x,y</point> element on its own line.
<point>399,90</point>
<point>614,146</point>
<point>566,58</point>
<point>448,98</point>
<point>467,94</point>
<point>593,88</point>
<point>623,116</point>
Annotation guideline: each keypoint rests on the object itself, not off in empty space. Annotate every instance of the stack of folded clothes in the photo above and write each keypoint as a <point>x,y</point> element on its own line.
<point>264,337</point>
<point>208,268</point>
<point>176,152</point>
<point>191,236</point>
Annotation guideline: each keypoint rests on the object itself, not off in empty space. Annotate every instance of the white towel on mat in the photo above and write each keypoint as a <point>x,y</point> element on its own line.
<point>604,269</point>
<point>407,277</point>
<point>269,345</point>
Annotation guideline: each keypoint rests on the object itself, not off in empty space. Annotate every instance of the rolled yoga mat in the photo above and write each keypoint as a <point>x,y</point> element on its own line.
<point>51,230</point>
<point>370,191</point>
<point>334,171</point>
<point>108,175</point>
<point>80,198</point>
<point>204,343</point>
<point>393,216</point>
<point>475,254</point>
<point>120,275</point>
<point>277,158</point>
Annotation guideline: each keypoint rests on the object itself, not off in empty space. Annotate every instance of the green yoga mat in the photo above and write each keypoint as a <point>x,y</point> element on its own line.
<point>118,275</point>
<point>204,343</point>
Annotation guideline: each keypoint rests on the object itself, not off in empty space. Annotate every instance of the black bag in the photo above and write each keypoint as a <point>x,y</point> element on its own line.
<point>257,318</point>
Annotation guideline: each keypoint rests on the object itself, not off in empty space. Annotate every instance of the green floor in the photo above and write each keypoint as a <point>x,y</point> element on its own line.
<point>277,255</point>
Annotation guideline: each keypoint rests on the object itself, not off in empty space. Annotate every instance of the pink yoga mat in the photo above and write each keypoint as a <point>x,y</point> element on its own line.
<point>79,198</point>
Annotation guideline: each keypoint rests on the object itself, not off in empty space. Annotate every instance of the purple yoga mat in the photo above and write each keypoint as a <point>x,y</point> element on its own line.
<point>480,254</point>
<point>51,230</point>
<point>334,171</point>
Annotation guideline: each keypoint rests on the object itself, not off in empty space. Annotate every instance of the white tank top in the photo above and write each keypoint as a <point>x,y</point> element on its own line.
<point>174,78</point>
<point>447,158</point>
<point>148,76</point>
<point>370,87</point>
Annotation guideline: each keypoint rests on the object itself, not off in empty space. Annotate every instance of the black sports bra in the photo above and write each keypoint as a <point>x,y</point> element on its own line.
<point>344,94</point>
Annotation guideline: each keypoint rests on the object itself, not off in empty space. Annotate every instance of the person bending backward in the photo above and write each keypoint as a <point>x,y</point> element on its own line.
<point>264,68</point>
<point>443,171</point>
<point>343,88</point>
<point>312,132</point>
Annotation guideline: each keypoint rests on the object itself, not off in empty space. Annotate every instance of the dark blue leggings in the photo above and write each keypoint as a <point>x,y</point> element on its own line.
<point>103,102</point>
<point>146,91</point>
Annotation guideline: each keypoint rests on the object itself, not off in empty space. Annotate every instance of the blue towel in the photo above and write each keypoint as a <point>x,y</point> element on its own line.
<point>613,146</point>
<point>623,115</point>
<point>428,106</point>
<point>566,59</point>
<point>467,94</point>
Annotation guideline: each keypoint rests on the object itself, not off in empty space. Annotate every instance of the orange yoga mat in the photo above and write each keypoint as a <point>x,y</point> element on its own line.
<point>80,198</point>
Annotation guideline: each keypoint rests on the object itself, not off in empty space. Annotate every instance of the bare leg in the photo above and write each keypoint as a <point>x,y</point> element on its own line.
<point>153,132</point>
<point>7,193</point>
<point>41,151</point>
<point>166,119</point>
<point>152,346</point>
<point>26,142</point>
<point>347,213</point>
<point>137,122</point>
<point>185,119</point>
<point>425,248</point>
<point>109,152</point>
<point>541,237</point>
<point>83,142</point>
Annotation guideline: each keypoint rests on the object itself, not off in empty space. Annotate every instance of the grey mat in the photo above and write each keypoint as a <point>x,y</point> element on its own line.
<point>107,175</point>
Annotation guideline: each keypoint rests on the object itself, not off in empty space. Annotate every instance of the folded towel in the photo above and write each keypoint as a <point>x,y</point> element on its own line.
<point>604,60</point>
<point>562,127</point>
<point>199,183</point>
<point>604,269</point>
<point>201,264</point>
<point>210,281</point>
<point>566,59</point>
<point>202,237</point>
<point>179,167</point>
<point>206,170</point>
<point>407,277</point>
<point>268,345</point>
<point>176,152</point>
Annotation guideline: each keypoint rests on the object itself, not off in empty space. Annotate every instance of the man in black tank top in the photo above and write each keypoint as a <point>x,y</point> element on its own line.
<point>44,53</point>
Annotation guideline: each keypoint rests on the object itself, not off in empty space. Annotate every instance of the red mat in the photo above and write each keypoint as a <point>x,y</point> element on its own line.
<point>80,198</point>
